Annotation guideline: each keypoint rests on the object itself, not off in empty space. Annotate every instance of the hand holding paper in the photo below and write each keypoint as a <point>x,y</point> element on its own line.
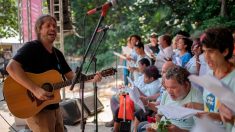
<point>206,125</point>
<point>215,86</point>
<point>148,51</point>
<point>124,67</point>
<point>135,95</point>
<point>177,112</point>
<point>119,55</point>
<point>178,61</point>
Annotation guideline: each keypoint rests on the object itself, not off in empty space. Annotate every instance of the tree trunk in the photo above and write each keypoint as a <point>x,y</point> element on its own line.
<point>223,9</point>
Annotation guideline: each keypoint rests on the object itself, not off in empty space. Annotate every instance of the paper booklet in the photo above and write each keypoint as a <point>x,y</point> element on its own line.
<point>218,88</point>
<point>148,51</point>
<point>135,94</point>
<point>119,55</point>
<point>120,66</point>
<point>178,61</point>
<point>177,112</point>
<point>206,125</point>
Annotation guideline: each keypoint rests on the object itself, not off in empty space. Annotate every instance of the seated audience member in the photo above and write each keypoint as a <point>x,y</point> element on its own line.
<point>152,84</point>
<point>139,49</point>
<point>152,49</point>
<point>126,51</point>
<point>184,46</point>
<point>114,101</point>
<point>165,53</point>
<point>130,54</point>
<point>150,88</point>
<point>217,44</point>
<point>175,40</point>
<point>179,92</point>
<point>197,62</point>
<point>140,116</point>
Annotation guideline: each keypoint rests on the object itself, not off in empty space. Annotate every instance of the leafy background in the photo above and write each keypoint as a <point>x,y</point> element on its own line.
<point>130,17</point>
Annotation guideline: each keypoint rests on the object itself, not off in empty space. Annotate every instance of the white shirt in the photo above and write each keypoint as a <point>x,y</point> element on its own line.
<point>148,89</point>
<point>161,57</point>
<point>136,74</point>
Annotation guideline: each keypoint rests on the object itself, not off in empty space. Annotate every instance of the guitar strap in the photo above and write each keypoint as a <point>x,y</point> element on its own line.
<point>59,64</point>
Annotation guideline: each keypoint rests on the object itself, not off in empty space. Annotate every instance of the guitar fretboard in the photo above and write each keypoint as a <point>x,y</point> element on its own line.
<point>104,73</point>
<point>69,82</point>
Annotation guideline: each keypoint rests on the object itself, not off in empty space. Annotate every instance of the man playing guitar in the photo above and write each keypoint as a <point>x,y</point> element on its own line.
<point>39,56</point>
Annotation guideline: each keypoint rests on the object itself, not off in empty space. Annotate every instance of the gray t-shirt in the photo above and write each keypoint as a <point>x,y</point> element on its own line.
<point>193,96</point>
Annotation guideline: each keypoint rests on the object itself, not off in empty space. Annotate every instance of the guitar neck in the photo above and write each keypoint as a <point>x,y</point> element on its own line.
<point>60,85</point>
<point>104,73</point>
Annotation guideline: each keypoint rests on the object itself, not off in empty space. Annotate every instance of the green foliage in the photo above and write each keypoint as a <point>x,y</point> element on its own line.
<point>217,22</point>
<point>162,126</point>
<point>143,17</point>
<point>8,18</point>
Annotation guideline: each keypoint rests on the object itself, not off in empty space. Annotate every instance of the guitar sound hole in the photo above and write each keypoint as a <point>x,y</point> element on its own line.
<point>48,87</point>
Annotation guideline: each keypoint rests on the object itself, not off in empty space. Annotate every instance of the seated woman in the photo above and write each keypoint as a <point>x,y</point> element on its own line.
<point>184,46</point>
<point>179,92</point>
<point>194,64</point>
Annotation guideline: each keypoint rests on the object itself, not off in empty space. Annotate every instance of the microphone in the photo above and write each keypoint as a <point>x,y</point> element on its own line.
<point>106,27</point>
<point>105,5</point>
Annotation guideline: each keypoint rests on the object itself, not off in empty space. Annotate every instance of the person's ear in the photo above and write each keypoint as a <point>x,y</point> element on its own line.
<point>187,84</point>
<point>152,79</point>
<point>225,53</point>
<point>185,46</point>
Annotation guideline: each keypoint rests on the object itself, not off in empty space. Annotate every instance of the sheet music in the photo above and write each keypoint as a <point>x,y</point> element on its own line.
<point>119,55</point>
<point>206,125</point>
<point>218,88</point>
<point>177,112</point>
<point>148,54</point>
<point>178,61</point>
<point>123,67</point>
<point>148,51</point>
<point>135,94</point>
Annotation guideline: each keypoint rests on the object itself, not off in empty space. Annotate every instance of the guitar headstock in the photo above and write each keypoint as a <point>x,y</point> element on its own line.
<point>108,72</point>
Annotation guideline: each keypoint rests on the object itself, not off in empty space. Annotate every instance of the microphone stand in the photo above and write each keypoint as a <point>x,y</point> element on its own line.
<point>79,70</point>
<point>96,49</point>
<point>94,60</point>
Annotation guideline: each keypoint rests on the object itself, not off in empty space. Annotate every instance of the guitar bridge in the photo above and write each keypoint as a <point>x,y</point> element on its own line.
<point>33,98</point>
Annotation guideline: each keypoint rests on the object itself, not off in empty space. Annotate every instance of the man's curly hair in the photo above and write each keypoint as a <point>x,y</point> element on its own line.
<point>179,74</point>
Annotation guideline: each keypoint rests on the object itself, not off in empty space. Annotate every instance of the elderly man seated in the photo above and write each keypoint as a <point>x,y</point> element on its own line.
<point>179,93</point>
<point>150,102</point>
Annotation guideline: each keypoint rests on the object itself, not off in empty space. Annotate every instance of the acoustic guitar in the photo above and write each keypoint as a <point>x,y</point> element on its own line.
<point>23,104</point>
